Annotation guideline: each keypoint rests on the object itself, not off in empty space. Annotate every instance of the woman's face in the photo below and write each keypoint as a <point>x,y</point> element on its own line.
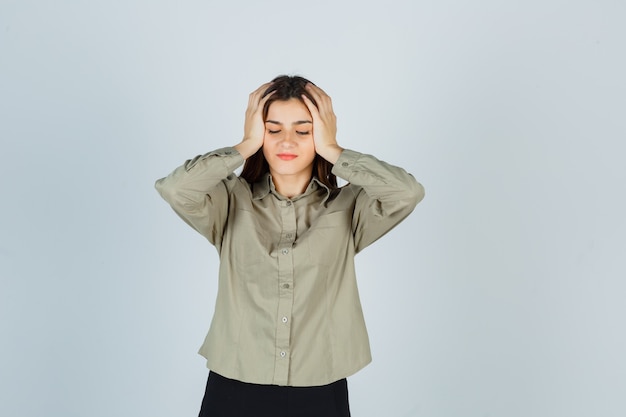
<point>288,144</point>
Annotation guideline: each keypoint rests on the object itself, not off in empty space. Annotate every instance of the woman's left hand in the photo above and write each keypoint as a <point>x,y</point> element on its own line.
<point>324,124</point>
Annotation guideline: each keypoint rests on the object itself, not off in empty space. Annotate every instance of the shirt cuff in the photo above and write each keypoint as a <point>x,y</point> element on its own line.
<point>231,158</point>
<point>344,166</point>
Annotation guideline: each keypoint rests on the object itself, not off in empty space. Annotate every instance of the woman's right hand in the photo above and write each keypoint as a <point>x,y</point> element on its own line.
<point>254,126</point>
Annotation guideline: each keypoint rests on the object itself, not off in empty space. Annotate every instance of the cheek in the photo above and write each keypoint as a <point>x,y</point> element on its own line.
<point>310,148</point>
<point>267,153</point>
<point>266,149</point>
<point>310,143</point>
<point>268,141</point>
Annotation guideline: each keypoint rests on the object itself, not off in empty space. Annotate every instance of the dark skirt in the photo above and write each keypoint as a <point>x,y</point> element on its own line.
<point>230,398</point>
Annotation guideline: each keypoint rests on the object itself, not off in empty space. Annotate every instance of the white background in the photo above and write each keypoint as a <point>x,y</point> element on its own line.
<point>501,295</point>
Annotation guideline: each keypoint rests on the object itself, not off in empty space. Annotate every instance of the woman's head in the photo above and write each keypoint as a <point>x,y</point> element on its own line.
<point>286,88</point>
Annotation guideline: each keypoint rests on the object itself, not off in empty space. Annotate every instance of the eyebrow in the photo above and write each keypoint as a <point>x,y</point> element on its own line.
<point>299,122</point>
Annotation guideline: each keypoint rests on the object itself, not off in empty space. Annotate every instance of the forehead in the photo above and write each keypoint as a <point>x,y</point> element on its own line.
<point>288,110</point>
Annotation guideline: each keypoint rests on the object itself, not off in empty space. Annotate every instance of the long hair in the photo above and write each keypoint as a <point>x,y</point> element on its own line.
<point>286,87</point>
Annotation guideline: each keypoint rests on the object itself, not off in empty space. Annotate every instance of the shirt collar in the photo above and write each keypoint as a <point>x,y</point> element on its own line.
<point>265,185</point>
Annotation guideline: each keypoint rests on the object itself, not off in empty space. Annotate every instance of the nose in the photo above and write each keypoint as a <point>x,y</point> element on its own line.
<point>288,140</point>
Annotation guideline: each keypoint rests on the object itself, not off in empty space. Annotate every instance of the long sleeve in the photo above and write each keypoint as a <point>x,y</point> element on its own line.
<point>385,195</point>
<point>198,190</point>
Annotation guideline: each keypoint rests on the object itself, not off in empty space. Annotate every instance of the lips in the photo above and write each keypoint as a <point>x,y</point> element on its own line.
<point>286,156</point>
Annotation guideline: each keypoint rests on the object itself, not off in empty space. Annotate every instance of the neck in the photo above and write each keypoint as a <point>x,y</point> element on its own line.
<point>291,185</point>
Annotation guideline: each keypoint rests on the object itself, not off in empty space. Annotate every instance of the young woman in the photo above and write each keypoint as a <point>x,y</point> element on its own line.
<point>288,326</point>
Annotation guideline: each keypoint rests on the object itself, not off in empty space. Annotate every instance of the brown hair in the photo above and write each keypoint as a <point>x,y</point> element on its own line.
<point>287,87</point>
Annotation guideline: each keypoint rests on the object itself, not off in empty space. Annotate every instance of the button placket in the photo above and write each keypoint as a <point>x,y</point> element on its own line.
<point>285,291</point>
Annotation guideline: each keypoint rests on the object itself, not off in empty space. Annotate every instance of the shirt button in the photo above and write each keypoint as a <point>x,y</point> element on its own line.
<point>345,164</point>
<point>286,286</point>
<point>285,251</point>
<point>288,203</point>
<point>284,319</point>
<point>283,354</point>
<point>289,235</point>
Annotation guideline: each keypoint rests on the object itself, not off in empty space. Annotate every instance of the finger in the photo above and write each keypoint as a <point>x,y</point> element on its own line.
<point>264,99</point>
<point>257,94</point>
<point>313,88</point>
<point>257,107</point>
<point>324,102</point>
<point>312,108</point>
<point>317,92</point>
<point>263,88</point>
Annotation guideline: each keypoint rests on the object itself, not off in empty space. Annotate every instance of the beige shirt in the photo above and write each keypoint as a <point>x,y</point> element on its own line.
<point>287,310</point>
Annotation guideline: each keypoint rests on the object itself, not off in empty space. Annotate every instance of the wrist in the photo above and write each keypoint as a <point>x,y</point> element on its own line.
<point>330,152</point>
<point>247,148</point>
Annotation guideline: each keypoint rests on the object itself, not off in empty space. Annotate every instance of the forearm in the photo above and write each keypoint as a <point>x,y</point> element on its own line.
<point>197,177</point>
<point>380,180</point>
<point>384,195</point>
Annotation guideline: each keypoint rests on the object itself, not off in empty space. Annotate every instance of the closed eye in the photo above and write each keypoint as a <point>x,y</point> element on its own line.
<point>303,133</point>
<point>273,132</point>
